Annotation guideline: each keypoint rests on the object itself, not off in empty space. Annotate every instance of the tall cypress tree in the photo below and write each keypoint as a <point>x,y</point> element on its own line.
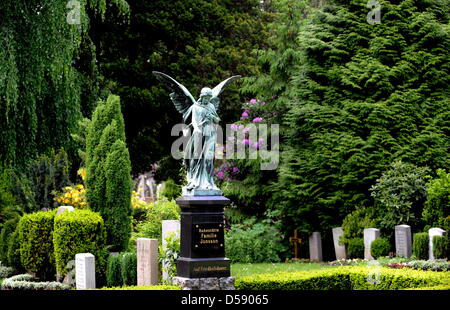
<point>362,96</point>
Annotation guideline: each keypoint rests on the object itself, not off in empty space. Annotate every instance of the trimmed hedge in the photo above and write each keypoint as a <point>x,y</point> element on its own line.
<point>355,248</point>
<point>36,243</point>
<point>441,247</point>
<point>14,252</point>
<point>140,288</point>
<point>28,282</point>
<point>8,229</point>
<point>420,245</point>
<point>79,231</point>
<point>380,247</point>
<point>343,278</point>
<point>129,269</point>
<point>114,271</point>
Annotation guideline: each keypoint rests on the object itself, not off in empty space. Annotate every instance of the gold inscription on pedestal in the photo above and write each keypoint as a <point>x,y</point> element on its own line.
<point>208,235</point>
<point>210,268</point>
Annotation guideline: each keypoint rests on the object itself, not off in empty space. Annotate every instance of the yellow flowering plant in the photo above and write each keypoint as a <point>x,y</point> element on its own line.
<point>74,196</point>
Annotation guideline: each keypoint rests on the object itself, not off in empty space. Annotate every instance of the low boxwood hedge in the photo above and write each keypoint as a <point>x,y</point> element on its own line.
<point>344,278</point>
<point>29,282</point>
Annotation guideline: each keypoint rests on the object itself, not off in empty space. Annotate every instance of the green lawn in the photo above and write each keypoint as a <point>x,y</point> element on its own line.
<point>239,270</point>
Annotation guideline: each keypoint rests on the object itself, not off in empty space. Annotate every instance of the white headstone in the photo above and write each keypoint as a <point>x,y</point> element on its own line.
<point>431,233</point>
<point>315,247</point>
<point>147,261</point>
<point>403,241</point>
<point>339,249</point>
<point>85,271</point>
<point>169,227</point>
<point>370,234</point>
<point>64,208</point>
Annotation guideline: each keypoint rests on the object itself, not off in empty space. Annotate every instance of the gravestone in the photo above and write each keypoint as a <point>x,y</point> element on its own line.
<point>147,261</point>
<point>339,249</point>
<point>403,243</point>
<point>168,227</point>
<point>370,234</point>
<point>315,247</point>
<point>64,208</point>
<point>85,271</point>
<point>431,233</point>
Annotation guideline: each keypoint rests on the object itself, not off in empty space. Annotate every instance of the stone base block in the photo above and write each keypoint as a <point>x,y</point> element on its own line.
<point>225,283</point>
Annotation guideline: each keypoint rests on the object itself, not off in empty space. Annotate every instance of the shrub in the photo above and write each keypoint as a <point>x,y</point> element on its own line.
<point>342,278</point>
<point>355,248</point>
<point>435,265</point>
<point>129,268</point>
<point>441,247</point>
<point>118,196</point>
<point>399,195</point>
<point>8,229</point>
<point>151,227</point>
<point>171,190</point>
<point>253,242</point>
<point>114,271</point>
<point>437,205</point>
<point>421,245</point>
<point>354,223</point>
<point>79,231</point>
<point>74,196</point>
<point>36,243</point>
<point>14,252</point>
<point>380,247</point>
<point>6,272</point>
<point>168,255</point>
<point>28,282</point>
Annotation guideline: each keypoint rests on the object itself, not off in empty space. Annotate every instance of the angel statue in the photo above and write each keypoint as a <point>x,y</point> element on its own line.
<point>203,118</point>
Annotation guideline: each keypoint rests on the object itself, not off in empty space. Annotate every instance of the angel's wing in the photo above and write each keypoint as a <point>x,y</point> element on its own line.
<point>220,88</point>
<point>180,96</point>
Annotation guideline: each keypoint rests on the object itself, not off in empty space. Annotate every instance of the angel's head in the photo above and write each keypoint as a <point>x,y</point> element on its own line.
<point>205,95</point>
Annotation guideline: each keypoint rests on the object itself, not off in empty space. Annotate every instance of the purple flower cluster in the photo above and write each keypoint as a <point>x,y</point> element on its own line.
<point>226,171</point>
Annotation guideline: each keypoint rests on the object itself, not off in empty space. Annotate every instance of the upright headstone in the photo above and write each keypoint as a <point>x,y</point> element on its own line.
<point>403,241</point>
<point>370,234</point>
<point>431,233</point>
<point>168,227</point>
<point>315,247</point>
<point>147,261</point>
<point>64,208</point>
<point>339,249</point>
<point>85,271</point>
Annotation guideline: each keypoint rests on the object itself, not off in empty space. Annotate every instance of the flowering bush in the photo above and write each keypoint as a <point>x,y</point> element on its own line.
<point>74,196</point>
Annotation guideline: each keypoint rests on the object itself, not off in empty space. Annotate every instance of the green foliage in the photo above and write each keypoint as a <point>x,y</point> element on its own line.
<point>108,180</point>
<point>355,222</point>
<point>380,247</point>
<point>6,272</point>
<point>142,288</point>
<point>433,265</point>
<point>14,252</point>
<point>79,231</point>
<point>29,282</point>
<point>48,173</point>
<point>420,245</point>
<point>358,97</point>
<point>441,247</point>
<point>151,226</point>
<point>36,243</point>
<point>355,248</point>
<point>171,190</point>
<point>254,242</point>
<point>437,205</point>
<point>129,268</point>
<point>8,203</point>
<point>342,278</point>
<point>114,271</point>
<point>8,229</point>
<point>168,255</point>
<point>399,195</point>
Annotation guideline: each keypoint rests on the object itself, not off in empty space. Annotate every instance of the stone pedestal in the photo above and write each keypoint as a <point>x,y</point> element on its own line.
<point>403,241</point>
<point>370,234</point>
<point>204,284</point>
<point>315,247</point>
<point>202,238</point>
<point>339,249</point>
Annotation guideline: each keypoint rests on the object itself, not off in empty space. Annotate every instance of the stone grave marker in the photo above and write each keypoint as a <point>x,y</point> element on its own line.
<point>370,234</point>
<point>147,261</point>
<point>403,241</point>
<point>315,247</point>
<point>64,208</point>
<point>339,249</point>
<point>431,233</point>
<point>85,271</point>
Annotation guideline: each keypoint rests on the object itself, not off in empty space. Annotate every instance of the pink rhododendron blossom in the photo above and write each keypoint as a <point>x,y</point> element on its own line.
<point>252,101</point>
<point>235,169</point>
<point>244,114</point>
<point>257,119</point>
<point>246,141</point>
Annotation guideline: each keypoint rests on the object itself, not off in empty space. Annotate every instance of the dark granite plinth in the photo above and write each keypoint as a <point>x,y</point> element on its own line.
<point>202,237</point>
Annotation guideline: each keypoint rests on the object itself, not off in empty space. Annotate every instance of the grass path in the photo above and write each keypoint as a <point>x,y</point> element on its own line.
<point>239,270</point>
